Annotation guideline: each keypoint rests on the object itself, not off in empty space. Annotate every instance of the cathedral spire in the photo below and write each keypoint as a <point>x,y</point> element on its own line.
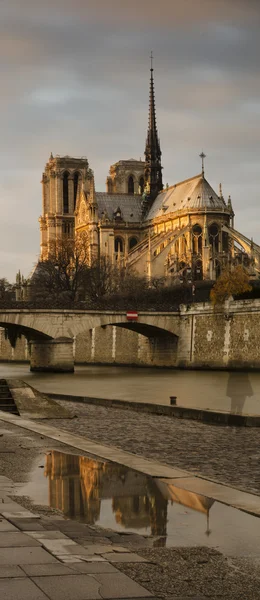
<point>153,170</point>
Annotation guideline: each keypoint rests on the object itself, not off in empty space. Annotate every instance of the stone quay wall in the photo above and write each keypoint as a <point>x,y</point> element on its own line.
<point>226,337</point>
<point>221,338</point>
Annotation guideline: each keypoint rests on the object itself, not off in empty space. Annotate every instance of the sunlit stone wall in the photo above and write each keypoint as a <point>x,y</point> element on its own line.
<point>222,338</point>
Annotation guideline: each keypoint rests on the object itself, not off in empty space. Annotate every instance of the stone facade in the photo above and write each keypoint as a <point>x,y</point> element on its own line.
<point>62,180</point>
<point>126,177</point>
<point>183,232</point>
<point>205,337</point>
<point>52,355</point>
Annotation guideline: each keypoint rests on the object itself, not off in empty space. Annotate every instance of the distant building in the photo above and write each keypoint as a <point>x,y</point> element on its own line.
<point>183,232</point>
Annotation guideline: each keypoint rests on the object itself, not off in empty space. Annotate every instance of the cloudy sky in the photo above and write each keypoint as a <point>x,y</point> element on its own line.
<point>74,80</point>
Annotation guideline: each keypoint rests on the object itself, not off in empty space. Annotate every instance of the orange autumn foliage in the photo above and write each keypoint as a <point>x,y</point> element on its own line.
<point>230,283</point>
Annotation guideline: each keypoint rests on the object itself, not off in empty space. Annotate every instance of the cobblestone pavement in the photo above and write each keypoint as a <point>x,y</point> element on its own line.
<point>196,574</point>
<point>228,454</point>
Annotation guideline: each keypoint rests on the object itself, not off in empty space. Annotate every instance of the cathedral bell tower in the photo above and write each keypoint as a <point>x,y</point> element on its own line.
<point>153,167</point>
<point>63,177</point>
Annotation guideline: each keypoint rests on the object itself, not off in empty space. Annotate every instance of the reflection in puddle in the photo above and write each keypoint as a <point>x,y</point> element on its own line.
<point>115,497</point>
<point>78,486</point>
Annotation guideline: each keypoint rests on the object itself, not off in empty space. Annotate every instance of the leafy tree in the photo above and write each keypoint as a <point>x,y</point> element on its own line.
<point>230,283</point>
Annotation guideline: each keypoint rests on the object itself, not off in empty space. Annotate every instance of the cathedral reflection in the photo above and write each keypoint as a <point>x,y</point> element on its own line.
<point>78,485</point>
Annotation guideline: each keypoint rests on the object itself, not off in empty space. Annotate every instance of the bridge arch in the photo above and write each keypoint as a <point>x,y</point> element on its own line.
<point>52,333</point>
<point>149,331</point>
<point>149,346</point>
<point>15,330</point>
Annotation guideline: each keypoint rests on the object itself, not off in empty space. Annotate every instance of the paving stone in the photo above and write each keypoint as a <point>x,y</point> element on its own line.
<point>6,526</point>
<point>70,587</point>
<point>13,539</point>
<point>87,540</point>
<point>127,557</point>
<point>61,546</point>
<point>27,524</point>
<point>63,524</point>
<point>25,556</point>
<point>47,535</point>
<point>14,571</point>
<point>118,585</point>
<point>44,570</point>
<point>20,589</point>
<point>80,550</point>
<point>97,549</point>
<point>94,558</point>
<point>94,567</point>
<point>9,506</point>
<point>119,549</point>
<point>67,558</point>
<point>18,514</point>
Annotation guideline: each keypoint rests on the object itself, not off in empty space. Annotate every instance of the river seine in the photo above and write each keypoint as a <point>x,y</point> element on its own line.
<point>225,391</point>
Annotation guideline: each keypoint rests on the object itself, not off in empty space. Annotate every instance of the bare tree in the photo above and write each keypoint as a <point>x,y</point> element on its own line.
<point>64,273</point>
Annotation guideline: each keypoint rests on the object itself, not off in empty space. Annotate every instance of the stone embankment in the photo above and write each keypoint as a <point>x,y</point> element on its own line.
<point>228,454</point>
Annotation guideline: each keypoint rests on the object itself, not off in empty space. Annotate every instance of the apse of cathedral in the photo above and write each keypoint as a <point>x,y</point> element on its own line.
<point>184,232</point>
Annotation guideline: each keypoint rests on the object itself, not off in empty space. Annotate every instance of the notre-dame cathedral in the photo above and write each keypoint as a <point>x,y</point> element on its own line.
<point>184,232</point>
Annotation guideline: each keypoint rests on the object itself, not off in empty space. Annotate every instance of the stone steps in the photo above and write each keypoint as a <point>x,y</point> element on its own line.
<point>7,403</point>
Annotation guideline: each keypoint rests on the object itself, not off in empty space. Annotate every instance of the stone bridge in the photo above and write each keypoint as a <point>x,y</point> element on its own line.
<point>51,332</point>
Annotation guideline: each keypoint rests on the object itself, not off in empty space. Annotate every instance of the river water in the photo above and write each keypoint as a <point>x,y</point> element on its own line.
<point>219,390</point>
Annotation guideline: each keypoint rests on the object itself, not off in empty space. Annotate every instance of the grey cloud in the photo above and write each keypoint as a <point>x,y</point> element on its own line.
<point>74,80</point>
<point>149,12</point>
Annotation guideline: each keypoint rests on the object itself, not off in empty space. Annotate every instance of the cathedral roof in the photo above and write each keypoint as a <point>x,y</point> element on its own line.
<point>192,194</point>
<point>129,205</point>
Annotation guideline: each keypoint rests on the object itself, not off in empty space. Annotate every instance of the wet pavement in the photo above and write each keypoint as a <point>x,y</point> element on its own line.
<point>49,556</point>
<point>225,391</point>
<point>117,498</point>
<point>214,452</point>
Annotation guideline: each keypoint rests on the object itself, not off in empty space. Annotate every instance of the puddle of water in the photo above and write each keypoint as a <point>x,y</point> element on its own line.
<point>115,497</point>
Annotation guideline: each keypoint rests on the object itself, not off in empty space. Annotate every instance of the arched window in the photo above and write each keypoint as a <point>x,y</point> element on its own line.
<point>131,186</point>
<point>119,245</point>
<point>132,242</point>
<point>197,239</point>
<point>214,237</point>
<point>224,241</point>
<point>141,185</point>
<point>75,184</point>
<point>66,193</point>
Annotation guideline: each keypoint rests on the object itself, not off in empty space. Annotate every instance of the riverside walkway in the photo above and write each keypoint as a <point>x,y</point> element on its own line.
<point>45,555</point>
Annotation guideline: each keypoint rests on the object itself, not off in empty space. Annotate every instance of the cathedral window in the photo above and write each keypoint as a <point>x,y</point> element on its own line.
<point>197,239</point>
<point>214,237</point>
<point>66,193</point>
<point>75,187</point>
<point>224,241</point>
<point>66,229</point>
<point>132,242</point>
<point>119,244</point>
<point>131,186</point>
<point>141,185</point>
